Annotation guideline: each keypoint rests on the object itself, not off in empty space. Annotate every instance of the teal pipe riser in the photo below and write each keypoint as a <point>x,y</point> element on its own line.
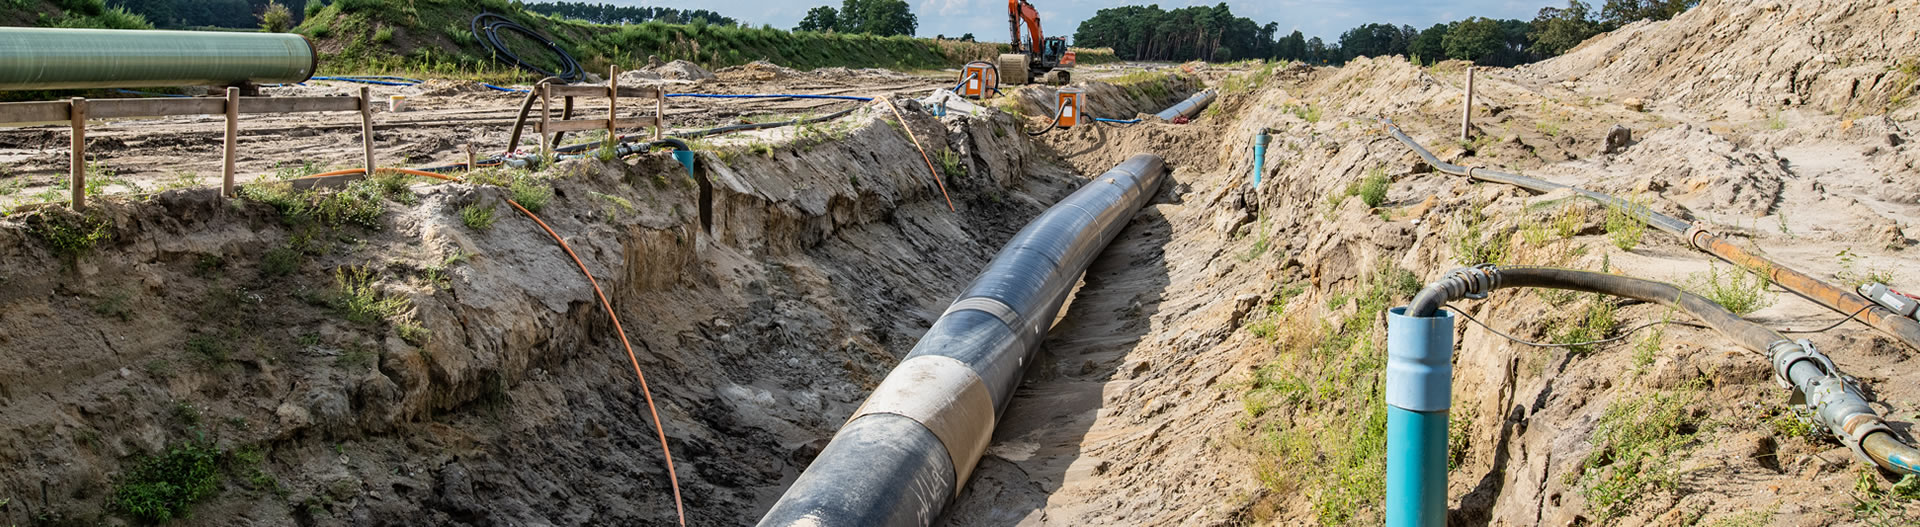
<point>1416,468</point>
<point>56,59</point>
<point>1260,157</point>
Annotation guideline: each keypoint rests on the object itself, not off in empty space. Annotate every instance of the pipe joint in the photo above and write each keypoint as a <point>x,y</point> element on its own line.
<point>1784,353</point>
<point>1473,282</point>
<point>1837,405</point>
<point>1419,361</point>
<point>1693,235</point>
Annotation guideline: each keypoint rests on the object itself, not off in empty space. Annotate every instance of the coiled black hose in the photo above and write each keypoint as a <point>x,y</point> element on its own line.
<point>487,27</point>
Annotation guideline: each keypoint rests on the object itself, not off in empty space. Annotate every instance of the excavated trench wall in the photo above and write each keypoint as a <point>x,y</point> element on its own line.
<point>827,258</point>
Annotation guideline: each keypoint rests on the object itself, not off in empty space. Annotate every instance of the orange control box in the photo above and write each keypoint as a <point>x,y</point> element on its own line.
<point>1069,107</point>
<point>979,80</point>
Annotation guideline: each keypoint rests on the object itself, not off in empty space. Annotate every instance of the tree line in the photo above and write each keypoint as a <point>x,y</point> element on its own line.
<point>873,17</point>
<point>618,14</point>
<point>1214,34</point>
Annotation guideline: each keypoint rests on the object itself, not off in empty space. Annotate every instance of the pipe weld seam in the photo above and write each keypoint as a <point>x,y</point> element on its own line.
<point>945,396</point>
<point>988,305</point>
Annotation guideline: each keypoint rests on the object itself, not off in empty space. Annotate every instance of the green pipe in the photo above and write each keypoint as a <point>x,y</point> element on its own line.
<point>56,59</point>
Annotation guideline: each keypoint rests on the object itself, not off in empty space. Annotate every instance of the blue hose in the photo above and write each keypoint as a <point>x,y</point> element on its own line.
<point>769,96</point>
<point>365,81</point>
<point>508,90</point>
<point>1116,121</point>
<point>149,94</point>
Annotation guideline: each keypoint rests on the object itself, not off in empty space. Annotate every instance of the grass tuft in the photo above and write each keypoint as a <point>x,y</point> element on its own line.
<point>163,487</point>
<point>1633,449</point>
<point>1627,223</point>
<point>1739,290</point>
<point>478,216</point>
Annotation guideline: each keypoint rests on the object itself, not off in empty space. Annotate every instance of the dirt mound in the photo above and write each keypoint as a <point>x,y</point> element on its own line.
<point>451,87</point>
<point>683,70</point>
<point>1740,56</point>
<point>758,71</point>
<point>839,73</point>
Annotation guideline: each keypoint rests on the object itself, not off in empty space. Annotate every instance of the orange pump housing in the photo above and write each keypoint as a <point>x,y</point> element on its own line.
<point>979,80</point>
<point>1069,107</point>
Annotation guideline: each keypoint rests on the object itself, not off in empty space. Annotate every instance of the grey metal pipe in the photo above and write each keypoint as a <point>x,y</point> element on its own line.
<point>1834,398</point>
<point>910,447</point>
<point>1187,108</point>
<point>53,58</point>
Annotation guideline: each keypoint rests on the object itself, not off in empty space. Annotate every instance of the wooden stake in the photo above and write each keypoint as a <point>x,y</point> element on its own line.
<point>366,127</point>
<point>546,118</point>
<point>471,164</point>
<point>659,113</point>
<point>77,113</point>
<point>613,102</point>
<point>231,142</point>
<point>1466,109</point>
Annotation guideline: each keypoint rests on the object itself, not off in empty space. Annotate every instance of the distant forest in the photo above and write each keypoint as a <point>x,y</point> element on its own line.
<point>615,14</point>
<point>177,14</point>
<point>1214,34</point>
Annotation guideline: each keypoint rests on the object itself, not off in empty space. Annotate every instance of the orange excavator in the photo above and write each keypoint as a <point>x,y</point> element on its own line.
<point>1040,57</point>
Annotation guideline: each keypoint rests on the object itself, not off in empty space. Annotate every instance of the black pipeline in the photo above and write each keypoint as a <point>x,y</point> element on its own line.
<point>910,447</point>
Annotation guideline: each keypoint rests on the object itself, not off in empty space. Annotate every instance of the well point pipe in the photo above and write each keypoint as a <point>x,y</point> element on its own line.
<point>1903,329</point>
<point>55,59</point>
<point>1260,141</point>
<point>910,447</point>
<point>1419,350</point>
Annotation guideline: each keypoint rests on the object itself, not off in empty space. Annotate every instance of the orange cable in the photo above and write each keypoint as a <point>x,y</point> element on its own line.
<point>923,152</point>
<point>658,426</point>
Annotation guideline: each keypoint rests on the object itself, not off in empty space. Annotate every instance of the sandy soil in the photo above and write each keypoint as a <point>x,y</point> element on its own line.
<point>833,252</point>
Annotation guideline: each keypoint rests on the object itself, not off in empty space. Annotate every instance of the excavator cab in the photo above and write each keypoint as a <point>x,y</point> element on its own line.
<point>1055,51</point>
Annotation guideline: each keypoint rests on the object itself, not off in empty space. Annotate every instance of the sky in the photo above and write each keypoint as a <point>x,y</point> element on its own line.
<point>987,19</point>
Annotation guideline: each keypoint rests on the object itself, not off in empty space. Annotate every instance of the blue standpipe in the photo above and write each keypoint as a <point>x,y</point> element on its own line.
<point>1419,382</point>
<point>1260,154</point>
<point>685,157</point>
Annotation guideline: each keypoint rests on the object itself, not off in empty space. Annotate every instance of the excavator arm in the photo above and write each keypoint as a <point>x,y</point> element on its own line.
<point>1018,10</point>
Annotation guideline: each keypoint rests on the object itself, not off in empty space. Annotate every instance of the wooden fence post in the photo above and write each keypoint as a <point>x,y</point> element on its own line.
<point>613,103</point>
<point>77,113</point>
<point>471,165</point>
<point>232,140</point>
<point>1466,109</point>
<point>659,113</point>
<point>366,127</point>
<point>546,119</point>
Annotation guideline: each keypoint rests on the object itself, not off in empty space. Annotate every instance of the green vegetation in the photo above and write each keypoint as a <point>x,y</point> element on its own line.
<point>1880,507</point>
<point>208,349</point>
<point>1634,447</point>
<point>433,39</point>
<point>531,193</point>
<point>1741,290</point>
<point>162,487</point>
<point>74,14</point>
<point>356,297</point>
<point>1250,81</point>
<point>70,233</point>
<point>281,261</point>
<point>1568,221</point>
<point>1332,443</point>
<point>1627,223</point>
<point>1752,518</point>
<point>1794,422</point>
<point>1854,274</point>
<point>1475,242</point>
<point>478,216</point>
<point>1596,322</point>
<point>361,202</point>
<point>950,165</point>
<point>1372,189</point>
<point>873,17</point>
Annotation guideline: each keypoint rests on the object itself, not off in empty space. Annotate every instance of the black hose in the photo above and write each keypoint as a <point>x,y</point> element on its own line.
<point>487,27</point>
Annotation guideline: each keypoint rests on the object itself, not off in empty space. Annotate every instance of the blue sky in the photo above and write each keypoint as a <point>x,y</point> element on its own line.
<point>987,19</point>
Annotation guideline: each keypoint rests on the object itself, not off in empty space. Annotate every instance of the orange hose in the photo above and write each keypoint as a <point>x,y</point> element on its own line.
<point>923,152</point>
<point>658,428</point>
